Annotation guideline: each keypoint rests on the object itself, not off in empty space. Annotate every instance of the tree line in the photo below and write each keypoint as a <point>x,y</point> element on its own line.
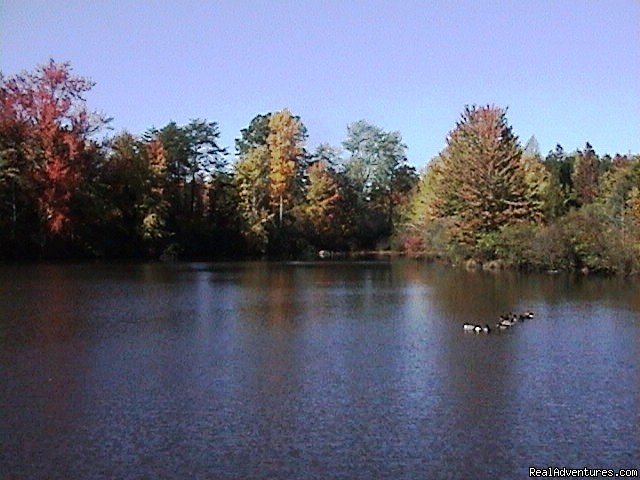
<point>175,191</point>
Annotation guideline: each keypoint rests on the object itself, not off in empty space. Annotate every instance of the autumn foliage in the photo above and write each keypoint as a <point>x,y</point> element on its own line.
<point>482,179</point>
<point>174,191</point>
<point>284,142</point>
<point>487,199</point>
<point>46,111</point>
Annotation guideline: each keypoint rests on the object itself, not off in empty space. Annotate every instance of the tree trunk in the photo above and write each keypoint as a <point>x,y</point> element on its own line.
<point>281,206</point>
<point>193,193</point>
<point>14,212</point>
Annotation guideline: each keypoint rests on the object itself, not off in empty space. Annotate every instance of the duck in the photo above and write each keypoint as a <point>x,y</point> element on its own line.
<point>525,316</point>
<point>508,323</point>
<point>503,325</point>
<point>471,327</point>
<point>483,329</point>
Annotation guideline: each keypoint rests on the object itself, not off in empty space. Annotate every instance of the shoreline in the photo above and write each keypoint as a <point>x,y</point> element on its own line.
<point>470,265</point>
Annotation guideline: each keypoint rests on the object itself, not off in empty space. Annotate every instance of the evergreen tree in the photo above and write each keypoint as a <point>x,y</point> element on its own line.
<point>531,148</point>
<point>255,135</point>
<point>560,195</point>
<point>483,183</point>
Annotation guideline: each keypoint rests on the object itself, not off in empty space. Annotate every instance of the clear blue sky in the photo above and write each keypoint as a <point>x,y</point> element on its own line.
<point>568,70</point>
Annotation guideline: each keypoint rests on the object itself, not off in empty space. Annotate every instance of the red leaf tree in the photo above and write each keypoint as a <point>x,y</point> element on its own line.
<point>48,108</point>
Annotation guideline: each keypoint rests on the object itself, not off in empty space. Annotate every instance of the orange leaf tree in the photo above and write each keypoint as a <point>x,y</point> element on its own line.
<point>50,108</point>
<point>483,180</point>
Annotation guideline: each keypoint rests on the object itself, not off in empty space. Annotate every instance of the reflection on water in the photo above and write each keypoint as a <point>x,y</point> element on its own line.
<point>312,370</point>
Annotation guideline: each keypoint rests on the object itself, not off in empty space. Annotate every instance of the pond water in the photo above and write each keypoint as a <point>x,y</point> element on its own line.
<point>312,370</point>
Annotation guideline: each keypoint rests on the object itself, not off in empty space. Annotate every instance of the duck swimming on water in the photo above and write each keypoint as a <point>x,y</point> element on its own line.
<point>511,319</point>
<point>506,321</point>
<point>471,327</point>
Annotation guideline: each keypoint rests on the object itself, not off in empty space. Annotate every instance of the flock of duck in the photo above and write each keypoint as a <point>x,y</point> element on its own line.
<point>506,321</point>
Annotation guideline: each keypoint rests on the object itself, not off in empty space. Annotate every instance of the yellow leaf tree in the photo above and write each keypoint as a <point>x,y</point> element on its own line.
<point>251,178</point>
<point>325,212</point>
<point>285,143</point>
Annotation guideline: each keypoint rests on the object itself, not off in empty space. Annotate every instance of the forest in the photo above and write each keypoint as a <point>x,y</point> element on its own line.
<point>69,191</point>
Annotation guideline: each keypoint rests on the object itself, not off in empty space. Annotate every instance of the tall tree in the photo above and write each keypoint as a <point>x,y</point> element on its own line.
<point>252,184</point>
<point>49,106</point>
<point>206,157</point>
<point>375,155</point>
<point>377,171</point>
<point>175,145</point>
<point>193,158</point>
<point>484,183</point>
<point>285,142</point>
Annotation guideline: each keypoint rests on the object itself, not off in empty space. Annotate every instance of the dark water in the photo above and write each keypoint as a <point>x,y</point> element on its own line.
<point>318,370</point>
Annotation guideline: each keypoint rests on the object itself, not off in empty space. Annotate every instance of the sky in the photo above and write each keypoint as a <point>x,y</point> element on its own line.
<point>567,70</point>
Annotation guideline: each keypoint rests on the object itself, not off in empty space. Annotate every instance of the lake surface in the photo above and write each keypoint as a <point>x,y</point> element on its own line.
<point>312,371</point>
